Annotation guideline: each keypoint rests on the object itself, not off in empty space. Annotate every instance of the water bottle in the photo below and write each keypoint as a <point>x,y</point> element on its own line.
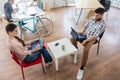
<point>63,47</point>
<point>41,41</point>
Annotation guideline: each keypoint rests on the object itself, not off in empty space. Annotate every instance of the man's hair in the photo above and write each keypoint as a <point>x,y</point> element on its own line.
<point>100,10</point>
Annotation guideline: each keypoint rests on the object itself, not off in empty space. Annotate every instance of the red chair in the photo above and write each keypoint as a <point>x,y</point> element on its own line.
<point>24,64</point>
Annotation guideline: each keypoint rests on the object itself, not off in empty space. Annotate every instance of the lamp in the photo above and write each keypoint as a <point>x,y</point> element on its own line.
<point>86,4</point>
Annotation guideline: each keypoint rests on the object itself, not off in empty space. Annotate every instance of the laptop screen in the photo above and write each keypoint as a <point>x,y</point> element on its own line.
<point>74,33</point>
<point>77,36</point>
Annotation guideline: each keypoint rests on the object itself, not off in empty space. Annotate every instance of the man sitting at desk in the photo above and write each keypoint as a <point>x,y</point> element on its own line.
<point>8,10</point>
<point>93,28</point>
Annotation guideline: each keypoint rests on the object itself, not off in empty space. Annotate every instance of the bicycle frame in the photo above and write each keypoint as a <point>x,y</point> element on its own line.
<point>34,20</point>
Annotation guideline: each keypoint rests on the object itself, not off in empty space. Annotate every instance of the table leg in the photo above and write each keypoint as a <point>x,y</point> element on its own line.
<point>56,64</point>
<point>75,57</point>
<point>79,16</point>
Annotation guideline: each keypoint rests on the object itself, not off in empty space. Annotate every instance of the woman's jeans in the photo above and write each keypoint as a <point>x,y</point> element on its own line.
<point>31,57</point>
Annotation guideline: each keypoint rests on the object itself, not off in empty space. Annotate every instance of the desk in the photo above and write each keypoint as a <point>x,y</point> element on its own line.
<point>59,53</point>
<point>27,12</point>
<point>86,4</point>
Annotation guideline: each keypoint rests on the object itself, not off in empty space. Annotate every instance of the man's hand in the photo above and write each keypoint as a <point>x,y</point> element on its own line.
<point>88,39</point>
<point>84,42</point>
<point>81,32</point>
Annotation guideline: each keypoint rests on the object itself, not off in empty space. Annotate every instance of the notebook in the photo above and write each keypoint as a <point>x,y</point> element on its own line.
<point>77,36</point>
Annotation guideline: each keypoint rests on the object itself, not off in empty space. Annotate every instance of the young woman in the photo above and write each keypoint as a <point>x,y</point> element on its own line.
<point>19,47</point>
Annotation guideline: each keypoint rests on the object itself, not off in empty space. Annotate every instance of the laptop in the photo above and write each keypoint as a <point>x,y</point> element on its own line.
<point>77,36</point>
<point>41,42</point>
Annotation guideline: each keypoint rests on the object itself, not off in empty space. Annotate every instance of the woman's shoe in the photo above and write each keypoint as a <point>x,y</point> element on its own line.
<point>49,63</point>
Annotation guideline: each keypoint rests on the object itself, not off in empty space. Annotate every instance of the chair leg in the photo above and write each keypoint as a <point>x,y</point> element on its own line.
<point>43,67</point>
<point>22,73</point>
<point>98,48</point>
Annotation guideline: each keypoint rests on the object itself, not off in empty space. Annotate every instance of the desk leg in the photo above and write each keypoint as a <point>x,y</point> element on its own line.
<point>79,16</point>
<point>75,57</point>
<point>56,64</point>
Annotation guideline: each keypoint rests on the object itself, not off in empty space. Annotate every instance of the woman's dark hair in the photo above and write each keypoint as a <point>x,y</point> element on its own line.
<point>9,28</point>
<point>100,10</point>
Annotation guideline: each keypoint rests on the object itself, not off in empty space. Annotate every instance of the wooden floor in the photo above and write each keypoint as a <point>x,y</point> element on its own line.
<point>105,66</point>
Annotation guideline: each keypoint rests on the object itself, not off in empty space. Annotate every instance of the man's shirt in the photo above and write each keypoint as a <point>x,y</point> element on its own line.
<point>94,28</point>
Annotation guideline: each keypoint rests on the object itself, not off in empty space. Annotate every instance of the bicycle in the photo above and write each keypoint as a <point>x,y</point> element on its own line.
<point>41,25</point>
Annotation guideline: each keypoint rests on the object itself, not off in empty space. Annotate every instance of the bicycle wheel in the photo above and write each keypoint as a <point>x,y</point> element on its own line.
<point>44,26</point>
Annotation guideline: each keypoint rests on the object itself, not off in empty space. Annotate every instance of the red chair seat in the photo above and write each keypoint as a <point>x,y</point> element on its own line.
<point>37,61</point>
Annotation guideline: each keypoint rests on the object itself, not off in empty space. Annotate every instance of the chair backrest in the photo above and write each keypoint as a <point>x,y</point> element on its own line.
<point>102,2</point>
<point>14,57</point>
<point>97,41</point>
<point>107,5</point>
<point>101,34</point>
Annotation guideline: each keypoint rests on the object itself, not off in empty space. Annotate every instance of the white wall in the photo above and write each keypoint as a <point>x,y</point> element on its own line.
<point>58,3</point>
<point>55,3</point>
<point>115,3</point>
<point>71,2</point>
